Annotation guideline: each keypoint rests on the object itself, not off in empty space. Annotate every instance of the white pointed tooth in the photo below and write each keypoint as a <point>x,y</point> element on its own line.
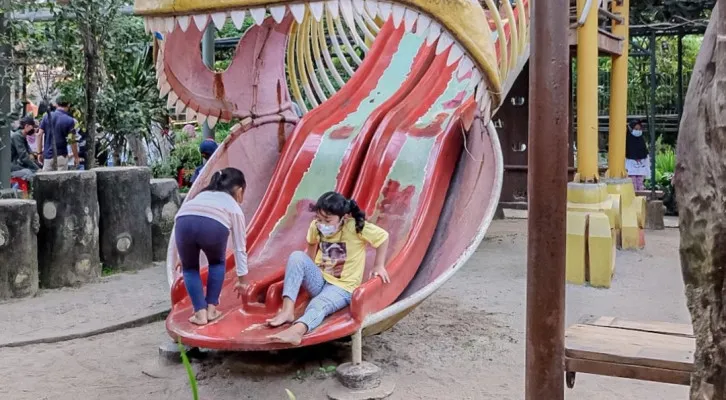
<point>454,54</point>
<point>212,121</point>
<point>298,11</point>
<point>164,90</point>
<point>422,25</point>
<point>278,13</point>
<point>397,12</point>
<point>183,21</point>
<point>200,21</point>
<point>475,75</point>
<point>238,17</point>
<point>258,15</point>
<point>169,24</point>
<point>409,19</point>
<point>201,118</point>
<point>147,28</point>
<point>465,66</point>
<point>316,9</point>
<point>154,24</point>
<point>346,9</point>
<point>359,6</point>
<point>434,32</point>
<point>372,7</point>
<point>445,41</point>
<point>219,19</point>
<point>171,100</point>
<point>191,114</point>
<point>161,79</point>
<point>479,96</point>
<point>332,6</point>
<point>179,107</point>
<point>384,10</point>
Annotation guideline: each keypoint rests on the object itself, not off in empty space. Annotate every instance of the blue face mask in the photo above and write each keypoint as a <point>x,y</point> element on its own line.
<point>637,133</point>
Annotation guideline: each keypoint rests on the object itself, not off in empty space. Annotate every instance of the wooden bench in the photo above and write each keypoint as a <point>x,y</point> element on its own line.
<point>650,351</point>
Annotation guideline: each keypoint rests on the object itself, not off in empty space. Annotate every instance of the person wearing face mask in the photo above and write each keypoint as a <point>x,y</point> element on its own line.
<point>637,161</point>
<point>204,223</point>
<point>332,267</point>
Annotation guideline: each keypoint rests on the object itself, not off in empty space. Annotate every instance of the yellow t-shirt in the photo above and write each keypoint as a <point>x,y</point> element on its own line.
<point>342,256</point>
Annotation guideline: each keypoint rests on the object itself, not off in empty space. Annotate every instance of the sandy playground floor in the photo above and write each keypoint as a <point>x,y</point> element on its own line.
<point>466,342</point>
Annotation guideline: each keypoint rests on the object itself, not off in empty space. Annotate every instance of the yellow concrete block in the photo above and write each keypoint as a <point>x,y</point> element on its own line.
<point>623,187</point>
<point>586,193</point>
<point>601,248</point>
<point>630,232</point>
<point>576,242</point>
<point>639,204</point>
<point>614,211</point>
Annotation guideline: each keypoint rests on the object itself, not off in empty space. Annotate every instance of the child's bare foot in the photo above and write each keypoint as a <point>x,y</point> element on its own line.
<point>292,335</point>
<point>285,316</point>
<point>212,313</point>
<point>199,318</point>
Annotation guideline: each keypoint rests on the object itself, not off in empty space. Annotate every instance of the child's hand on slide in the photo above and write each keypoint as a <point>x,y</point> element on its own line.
<point>240,286</point>
<point>380,270</point>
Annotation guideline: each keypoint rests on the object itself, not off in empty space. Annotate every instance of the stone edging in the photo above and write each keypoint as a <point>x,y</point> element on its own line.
<point>134,323</point>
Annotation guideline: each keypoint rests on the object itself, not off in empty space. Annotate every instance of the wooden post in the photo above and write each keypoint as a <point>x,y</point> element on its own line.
<point>547,190</point>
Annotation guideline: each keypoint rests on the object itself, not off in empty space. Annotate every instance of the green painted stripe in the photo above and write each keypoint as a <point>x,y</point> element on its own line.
<point>322,174</point>
<point>410,167</point>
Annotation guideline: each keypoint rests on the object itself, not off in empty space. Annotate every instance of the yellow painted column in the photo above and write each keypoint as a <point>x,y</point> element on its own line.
<point>587,65</point>
<point>619,96</point>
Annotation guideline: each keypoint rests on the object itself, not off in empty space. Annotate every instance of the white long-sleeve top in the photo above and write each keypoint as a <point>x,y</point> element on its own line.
<point>222,207</point>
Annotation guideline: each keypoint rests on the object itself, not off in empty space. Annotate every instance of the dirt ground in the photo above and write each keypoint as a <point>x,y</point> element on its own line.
<point>466,342</point>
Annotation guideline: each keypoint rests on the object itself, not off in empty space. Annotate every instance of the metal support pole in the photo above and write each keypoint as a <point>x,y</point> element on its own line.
<point>208,59</point>
<point>680,78</point>
<point>357,346</point>
<point>547,189</point>
<point>4,111</point>
<point>651,113</point>
<point>619,97</point>
<point>25,89</point>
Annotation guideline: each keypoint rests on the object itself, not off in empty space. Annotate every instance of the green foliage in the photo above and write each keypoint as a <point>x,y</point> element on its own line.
<point>190,371</point>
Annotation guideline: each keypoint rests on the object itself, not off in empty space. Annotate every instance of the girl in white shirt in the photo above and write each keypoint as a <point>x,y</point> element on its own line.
<point>204,223</point>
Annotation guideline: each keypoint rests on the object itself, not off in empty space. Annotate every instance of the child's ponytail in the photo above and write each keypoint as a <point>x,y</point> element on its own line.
<point>357,214</point>
<point>226,180</point>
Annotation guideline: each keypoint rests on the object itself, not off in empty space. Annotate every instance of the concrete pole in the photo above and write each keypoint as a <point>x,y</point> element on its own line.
<point>4,111</point>
<point>587,123</point>
<point>619,96</point>
<point>547,188</point>
<point>208,58</point>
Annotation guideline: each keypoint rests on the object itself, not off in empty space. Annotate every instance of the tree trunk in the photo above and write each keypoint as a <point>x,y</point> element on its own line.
<point>165,202</point>
<point>124,199</point>
<point>701,190</point>
<point>90,52</point>
<point>18,248</point>
<point>68,236</point>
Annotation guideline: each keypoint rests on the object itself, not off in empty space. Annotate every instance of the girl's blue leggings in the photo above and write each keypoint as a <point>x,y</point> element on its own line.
<point>194,234</point>
<point>327,298</point>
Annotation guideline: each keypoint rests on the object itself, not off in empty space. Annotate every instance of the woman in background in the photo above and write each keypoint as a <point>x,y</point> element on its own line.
<point>637,161</point>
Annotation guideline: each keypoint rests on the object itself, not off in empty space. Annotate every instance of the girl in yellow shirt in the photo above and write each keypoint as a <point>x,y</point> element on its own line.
<point>332,267</point>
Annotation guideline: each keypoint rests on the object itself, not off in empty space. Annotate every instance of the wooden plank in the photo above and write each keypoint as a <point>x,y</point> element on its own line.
<point>623,346</point>
<point>607,44</point>
<point>666,328</point>
<point>628,371</point>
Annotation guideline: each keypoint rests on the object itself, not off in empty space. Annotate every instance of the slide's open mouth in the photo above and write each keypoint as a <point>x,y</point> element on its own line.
<point>326,44</point>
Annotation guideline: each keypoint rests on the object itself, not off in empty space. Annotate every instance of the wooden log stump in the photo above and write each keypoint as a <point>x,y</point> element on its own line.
<point>124,200</point>
<point>700,183</point>
<point>68,237</point>
<point>165,202</point>
<point>18,248</point>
